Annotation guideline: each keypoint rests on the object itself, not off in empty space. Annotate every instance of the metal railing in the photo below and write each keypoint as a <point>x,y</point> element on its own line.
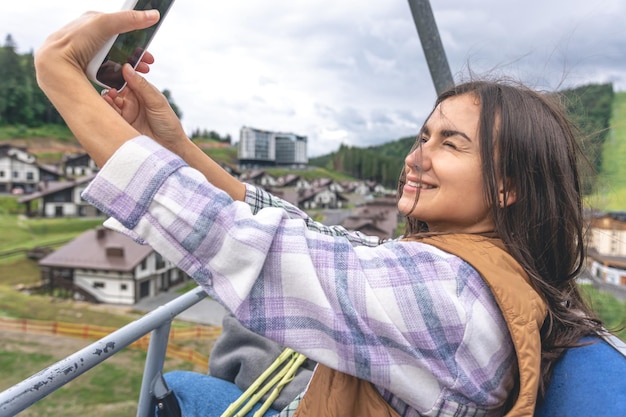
<point>29,391</point>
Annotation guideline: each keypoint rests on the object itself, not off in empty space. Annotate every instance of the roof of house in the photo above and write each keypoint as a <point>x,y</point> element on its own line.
<point>5,148</point>
<point>613,261</point>
<point>288,179</point>
<point>18,153</point>
<point>51,187</point>
<point>53,169</point>
<point>378,217</point>
<point>310,194</point>
<point>254,174</point>
<point>610,221</point>
<point>76,156</point>
<point>100,249</point>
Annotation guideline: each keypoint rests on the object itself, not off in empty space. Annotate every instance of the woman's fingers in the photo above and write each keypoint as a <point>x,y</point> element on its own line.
<point>78,41</point>
<point>148,93</point>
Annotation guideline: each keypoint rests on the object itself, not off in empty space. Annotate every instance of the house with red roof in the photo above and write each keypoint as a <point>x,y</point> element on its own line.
<point>104,266</point>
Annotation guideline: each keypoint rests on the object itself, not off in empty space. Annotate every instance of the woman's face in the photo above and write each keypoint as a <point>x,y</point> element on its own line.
<point>445,171</point>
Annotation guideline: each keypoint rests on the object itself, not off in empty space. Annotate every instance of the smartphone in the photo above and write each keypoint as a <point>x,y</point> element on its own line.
<point>105,68</point>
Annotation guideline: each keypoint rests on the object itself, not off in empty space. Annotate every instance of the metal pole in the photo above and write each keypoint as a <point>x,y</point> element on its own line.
<point>153,367</point>
<point>431,44</point>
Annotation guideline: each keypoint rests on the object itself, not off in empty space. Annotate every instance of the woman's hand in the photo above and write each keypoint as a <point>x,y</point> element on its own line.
<point>103,127</point>
<point>60,67</point>
<point>143,106</point>
<point>72,47</point>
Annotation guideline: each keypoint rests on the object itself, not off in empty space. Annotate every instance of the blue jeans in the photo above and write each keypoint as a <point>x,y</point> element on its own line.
<point>202,395</point>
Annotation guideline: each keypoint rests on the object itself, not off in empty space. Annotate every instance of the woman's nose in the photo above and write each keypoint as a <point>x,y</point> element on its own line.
<point>418,159</point>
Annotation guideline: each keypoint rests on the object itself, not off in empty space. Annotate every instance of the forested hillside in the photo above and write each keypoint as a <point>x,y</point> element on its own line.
<point>21,100</point>
<point>589,107</point>
<point>611,185</point>
<point>22,103</point>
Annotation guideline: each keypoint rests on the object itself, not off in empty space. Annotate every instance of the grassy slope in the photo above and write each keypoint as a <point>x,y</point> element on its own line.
<point>612,181</point>
<point>20,232</point>
<point>111,389</point>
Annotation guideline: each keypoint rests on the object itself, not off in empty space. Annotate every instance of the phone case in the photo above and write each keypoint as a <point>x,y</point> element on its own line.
<point>130,49</point>
<point>98,59</point>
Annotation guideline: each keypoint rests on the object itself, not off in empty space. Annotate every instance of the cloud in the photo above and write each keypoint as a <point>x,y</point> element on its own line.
<point>349,71</point>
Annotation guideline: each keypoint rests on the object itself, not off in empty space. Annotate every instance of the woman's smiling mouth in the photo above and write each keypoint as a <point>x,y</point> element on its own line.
<point>420,185</point>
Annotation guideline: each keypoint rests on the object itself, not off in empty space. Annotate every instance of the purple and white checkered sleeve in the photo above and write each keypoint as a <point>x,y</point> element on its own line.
<point>258,199</point>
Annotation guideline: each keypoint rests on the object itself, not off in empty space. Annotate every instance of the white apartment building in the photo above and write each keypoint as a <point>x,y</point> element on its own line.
<point>262,148</point>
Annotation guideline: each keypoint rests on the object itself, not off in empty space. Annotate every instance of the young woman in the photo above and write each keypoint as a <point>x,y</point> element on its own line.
<point>463,316</point>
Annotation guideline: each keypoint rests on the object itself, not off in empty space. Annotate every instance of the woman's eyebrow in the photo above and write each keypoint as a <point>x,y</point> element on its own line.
<point>451,132</point>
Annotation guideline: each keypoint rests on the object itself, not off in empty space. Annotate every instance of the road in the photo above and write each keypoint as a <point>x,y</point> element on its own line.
<point>207,311</point>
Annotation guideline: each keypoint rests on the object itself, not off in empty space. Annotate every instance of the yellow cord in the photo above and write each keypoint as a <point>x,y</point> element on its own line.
<point>294,364</point>
<point>257,390</point>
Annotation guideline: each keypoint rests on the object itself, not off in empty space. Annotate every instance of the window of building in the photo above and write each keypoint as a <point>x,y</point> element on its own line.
<point>98,284</point>
<point>614,241</point>
<point>160,262</point>
<point>123,287</point>
<point>144,289</point>
<point>30,176</point>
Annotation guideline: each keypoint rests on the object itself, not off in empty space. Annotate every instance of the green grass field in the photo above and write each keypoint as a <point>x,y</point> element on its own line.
<point>106,390</point>
<point>19,232</point>
<point>56,132</point>
<point>611,195</point>
<point>110,389</point>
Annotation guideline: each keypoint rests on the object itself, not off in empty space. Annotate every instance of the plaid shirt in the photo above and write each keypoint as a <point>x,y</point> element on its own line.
<point>258,199</point>
<point>417,322</point>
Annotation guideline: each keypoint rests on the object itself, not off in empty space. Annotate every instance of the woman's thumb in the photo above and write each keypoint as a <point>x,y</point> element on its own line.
<point>147,92</point>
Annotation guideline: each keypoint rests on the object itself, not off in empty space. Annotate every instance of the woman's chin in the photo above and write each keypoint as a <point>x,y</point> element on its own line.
<point>407,208</point>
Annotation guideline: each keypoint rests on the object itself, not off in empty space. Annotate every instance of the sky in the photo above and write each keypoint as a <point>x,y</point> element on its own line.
<point>348,71</point>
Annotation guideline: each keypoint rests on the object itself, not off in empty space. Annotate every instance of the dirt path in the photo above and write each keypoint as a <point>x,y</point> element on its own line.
<point>14,341</point>
<point>46,145</point>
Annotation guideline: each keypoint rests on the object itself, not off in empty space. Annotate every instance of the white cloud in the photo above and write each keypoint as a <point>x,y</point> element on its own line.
<point>348,71</point>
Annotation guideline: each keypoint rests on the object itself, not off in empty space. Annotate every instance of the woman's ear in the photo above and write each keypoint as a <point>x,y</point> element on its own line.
<point>507,195</point>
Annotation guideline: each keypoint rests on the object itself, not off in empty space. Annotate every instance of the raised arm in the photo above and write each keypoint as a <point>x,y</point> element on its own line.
<point>147,109</point>
<point>60,65</point>
<point>99,127</point>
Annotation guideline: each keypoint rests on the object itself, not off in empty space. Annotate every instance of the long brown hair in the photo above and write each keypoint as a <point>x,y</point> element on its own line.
<point>537,154</point>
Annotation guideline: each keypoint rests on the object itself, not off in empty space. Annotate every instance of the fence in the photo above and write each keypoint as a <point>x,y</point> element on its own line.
<point>90,331</point>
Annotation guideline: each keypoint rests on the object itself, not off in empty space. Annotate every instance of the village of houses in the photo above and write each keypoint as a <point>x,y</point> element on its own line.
<point>103,266</point>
